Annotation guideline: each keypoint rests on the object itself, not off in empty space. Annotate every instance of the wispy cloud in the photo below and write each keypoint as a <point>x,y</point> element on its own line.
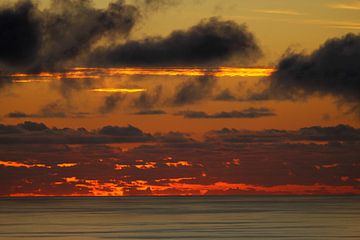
<point>246,113</point>
<point>335,24</point>
<point>355,5</point>
<point>278,11</point>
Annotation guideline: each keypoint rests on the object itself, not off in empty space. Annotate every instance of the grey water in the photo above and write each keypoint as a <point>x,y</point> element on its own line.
<point>235,217</point>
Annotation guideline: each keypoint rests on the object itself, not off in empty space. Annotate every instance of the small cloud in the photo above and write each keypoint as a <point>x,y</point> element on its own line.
<point>18,114</point>
<point>151,112</point>
<point>246,113</point>
<point>225,95</point>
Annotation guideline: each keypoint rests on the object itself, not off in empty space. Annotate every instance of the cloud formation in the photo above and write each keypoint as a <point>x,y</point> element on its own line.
<point>111,102</point>
<point>151,112</point>
<point>210,42</point>
<point>38,133</point>
<point>333,69</point>
<point>312,160</point>
<point>20,34</point>
<point>194,90</point>
<point>246,113</point>
<point>30,36</point>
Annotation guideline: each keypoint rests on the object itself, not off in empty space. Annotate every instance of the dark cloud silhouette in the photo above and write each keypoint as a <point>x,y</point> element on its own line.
<point>51,110</point>
<point>36,40</point>
<point>225,95</point>
<point>148,100</point>
<point>20,34</point>
<point>111,102</point>
<point>333,69</point>
<point>38,133</point>
<point>121,131</point>
<point>174,137</point>
<point>210,42</point>
<point>151,112</point>
<point>18,114</point>
<point>30,38</point>
<point>32,126</point>
<point>78,24</point>
<point>194,90</point>
<point>246,113</point>
<point>314,133</point>
<point>68,86</point>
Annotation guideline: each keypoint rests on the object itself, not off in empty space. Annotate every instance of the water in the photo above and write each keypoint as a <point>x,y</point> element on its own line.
<point>180,218</point>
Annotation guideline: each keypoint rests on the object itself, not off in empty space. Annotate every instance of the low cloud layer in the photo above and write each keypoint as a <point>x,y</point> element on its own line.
<point>312,160</point>
<point>33,132</point>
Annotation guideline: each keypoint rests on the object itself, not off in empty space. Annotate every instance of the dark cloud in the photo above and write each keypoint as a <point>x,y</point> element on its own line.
<point>151,112</point>
<point>174,137</point>
<point>225,95</point>
<point>20,34</point>
<point>78,24</point>
<point>337,133</point>
<point>314,133</point>
<point>52,39</point>
<point>148,100</point>
<point>111,102</point>
<point>36,40</point>
<point>32,126</point>
<point>121,131</point>
<point>246,113</point>
<point>195,90</point>
<point>68,86</point>
<point>333,69</point>
<point>9,129</point>
<point>51,110</point>
<point>38,133</point>
<point>18,114</point>
<point>210,42</point>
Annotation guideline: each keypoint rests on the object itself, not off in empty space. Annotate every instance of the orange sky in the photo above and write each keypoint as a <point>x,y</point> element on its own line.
<point>151,105</point>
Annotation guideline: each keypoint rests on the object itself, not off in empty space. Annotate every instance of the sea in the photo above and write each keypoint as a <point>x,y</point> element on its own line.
<point>210,217</point>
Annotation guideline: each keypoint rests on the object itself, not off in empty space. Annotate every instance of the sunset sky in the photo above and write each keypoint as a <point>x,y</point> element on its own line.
<point>171,97</point>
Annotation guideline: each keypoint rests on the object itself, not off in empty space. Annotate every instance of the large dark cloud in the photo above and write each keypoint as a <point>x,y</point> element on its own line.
<point>210,42</point>
<point>333,69</point>
<point>52,39</point>
<point>246,113</point>
<point>35,40</point>
<point>78,24</point>
<point>20,34</point>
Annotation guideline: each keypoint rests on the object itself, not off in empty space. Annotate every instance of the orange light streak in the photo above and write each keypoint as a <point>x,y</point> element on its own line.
<point>119,90</point>
<point>84,73</point>
<point>24,165</point>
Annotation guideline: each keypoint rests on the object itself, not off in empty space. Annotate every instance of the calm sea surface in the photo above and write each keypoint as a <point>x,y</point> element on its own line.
<point>180,218</point>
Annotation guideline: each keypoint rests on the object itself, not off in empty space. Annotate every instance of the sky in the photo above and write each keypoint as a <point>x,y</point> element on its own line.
<point>171,97</point>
